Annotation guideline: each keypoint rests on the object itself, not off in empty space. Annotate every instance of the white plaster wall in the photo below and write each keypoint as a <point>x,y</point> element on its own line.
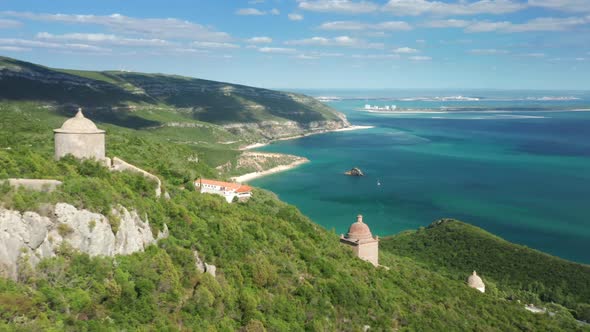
<point>369,252</point>
<point>84,146</point>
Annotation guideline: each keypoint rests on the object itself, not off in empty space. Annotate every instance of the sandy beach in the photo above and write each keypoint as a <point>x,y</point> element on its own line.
<point>250,176</point>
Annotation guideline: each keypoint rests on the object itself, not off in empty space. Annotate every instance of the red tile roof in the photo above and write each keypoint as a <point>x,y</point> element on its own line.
<point>229,185</point>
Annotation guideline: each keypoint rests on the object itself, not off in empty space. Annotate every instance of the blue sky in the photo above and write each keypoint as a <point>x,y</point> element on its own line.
<point>506,44</point>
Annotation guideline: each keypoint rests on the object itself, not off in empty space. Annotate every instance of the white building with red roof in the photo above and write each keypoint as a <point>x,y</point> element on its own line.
<point>229,190</point>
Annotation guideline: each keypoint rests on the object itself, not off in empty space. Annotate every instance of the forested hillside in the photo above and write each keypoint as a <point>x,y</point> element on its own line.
<point>276,269</point>
<point>453,248</point>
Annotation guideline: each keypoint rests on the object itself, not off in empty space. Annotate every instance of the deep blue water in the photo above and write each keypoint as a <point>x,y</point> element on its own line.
<point>523,175</point>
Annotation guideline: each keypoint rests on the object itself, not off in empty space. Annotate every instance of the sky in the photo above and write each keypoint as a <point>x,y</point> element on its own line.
<point>311,44</point>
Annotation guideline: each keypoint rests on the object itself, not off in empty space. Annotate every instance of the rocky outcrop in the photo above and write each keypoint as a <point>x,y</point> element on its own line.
<point>202,266</point>
<point>355,171</point>
<point>30,237</point>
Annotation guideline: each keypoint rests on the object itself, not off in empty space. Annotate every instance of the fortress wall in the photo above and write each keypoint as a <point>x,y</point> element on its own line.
<point>34,184</point>
<point>121,165</point>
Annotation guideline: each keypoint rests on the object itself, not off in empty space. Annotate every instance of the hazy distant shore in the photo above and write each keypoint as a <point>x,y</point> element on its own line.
<point>350,128</point>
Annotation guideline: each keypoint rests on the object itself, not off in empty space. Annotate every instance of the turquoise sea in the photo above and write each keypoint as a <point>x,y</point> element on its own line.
<point>516,163</point>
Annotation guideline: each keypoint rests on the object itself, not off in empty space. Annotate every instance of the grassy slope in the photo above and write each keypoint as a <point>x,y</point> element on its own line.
<point>455,249</point>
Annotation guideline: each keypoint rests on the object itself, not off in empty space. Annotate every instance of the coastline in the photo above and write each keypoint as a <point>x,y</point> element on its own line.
<point>281,168</point>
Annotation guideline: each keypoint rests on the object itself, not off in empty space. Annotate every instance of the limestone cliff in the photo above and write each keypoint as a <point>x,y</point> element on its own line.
<point>272,130</point>
<point>30,237</point>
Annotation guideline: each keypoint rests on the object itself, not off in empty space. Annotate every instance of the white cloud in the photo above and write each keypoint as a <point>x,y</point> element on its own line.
<point>488,51</point>
<point>255,2</point>
<point>15,49</point>
<point>420,58</point>
<point>533,55</point>
<point>101,38</point>
<point>153,27</point>
<point>7,24</point>
<point>306,57</point>
<point>189,50</point>
<point>338,6</point>
<point>450,23</point>
<point>537,24</point>
<point>563,5</point>
<point>357,26</point>
<point>250,11</point>
<point>277,50</point>
<point>214,45</point>
<point>375,56</point>
<point>341,41</point>
<point>275,11</point>
<point>259,40</point>
<point>26,43</point>
<point>405,50</point>
<point>420,41</point>
<point>295,17</point>
<point>419,7</point>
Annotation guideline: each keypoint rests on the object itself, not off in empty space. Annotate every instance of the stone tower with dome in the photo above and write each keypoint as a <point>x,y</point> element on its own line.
<point>474,281</point>
<point>362,242</point>
<point>81,138</point>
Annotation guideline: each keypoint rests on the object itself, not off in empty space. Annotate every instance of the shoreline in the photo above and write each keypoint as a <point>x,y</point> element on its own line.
<point>278,169</point>
<point>282,168</point>
<point>259,145</point>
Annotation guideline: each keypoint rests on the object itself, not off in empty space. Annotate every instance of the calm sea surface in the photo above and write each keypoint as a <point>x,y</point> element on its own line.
<point>518,166</point>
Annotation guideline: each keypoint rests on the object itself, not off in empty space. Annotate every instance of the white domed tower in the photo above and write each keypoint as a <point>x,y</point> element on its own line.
<point>362,242</point>
<point>81,138</point>
<point>474,281</point>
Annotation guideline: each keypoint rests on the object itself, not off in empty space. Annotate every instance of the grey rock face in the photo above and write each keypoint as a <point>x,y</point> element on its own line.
<point>202,266</point>
<point>32,236</point>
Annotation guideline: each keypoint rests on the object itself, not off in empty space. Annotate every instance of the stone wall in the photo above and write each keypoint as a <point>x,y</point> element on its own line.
<point>369,252</point>
<point>34,184</point>
<point>84,146</point>
<point>121,165</point>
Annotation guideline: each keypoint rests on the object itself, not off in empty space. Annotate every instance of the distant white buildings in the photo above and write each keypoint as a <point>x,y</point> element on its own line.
<point>229,190</point>
<point>380,108</point>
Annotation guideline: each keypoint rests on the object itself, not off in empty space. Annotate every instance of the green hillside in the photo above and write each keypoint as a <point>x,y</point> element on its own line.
<point>276,269</point>
<point>512,271</point>
<point>111,94</point>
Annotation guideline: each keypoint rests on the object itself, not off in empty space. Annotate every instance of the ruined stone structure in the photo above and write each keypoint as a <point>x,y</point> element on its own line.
<point>34,184</point>
<point>474,281</point>
<point>362,242</point>
<point>81,138</point>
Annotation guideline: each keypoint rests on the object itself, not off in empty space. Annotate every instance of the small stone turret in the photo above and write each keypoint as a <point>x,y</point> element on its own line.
<point>474,281</point>
<point>81,138</point>
<point>362,242</point>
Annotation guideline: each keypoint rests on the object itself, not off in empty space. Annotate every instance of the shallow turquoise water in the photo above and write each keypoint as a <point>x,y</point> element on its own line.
<point>524,176</point>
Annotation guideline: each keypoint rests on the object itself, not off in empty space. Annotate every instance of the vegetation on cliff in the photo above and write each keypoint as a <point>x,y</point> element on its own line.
<point>510,271</point>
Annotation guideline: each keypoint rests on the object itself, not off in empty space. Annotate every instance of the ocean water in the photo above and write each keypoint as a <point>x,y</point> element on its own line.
<point>518,166</point>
